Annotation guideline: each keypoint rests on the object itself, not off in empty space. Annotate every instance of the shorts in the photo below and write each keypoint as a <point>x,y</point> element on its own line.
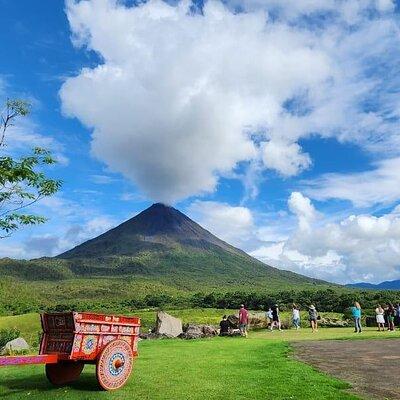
<point>275,319</point>
<point>380,319</point>
<point>390,318</point>
<point>313,319</point>
<point>242,327</point>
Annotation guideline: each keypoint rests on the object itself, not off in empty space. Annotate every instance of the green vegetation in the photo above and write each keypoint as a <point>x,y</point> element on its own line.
<point>123,295</point>
<point>22,181</point>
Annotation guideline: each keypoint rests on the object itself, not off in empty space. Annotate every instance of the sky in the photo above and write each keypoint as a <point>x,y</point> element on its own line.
<point>275,125</point>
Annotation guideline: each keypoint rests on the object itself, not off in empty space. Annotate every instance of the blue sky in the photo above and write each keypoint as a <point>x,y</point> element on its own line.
<point>275,126</point>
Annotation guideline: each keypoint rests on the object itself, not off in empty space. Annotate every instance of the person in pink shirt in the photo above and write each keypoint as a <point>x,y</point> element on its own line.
<point>243,320</point>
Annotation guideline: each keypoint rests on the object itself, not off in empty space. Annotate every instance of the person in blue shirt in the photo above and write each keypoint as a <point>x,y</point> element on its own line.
<point>356,311</point>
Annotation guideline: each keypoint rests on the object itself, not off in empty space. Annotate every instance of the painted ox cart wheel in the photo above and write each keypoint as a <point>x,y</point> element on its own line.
<point>114,365</point>
<point>63,372</point>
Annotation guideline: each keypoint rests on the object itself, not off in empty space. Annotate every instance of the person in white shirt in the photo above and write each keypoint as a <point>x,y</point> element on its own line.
<point>296,316</point>
<point>268,316</point>
<point>380,317</point>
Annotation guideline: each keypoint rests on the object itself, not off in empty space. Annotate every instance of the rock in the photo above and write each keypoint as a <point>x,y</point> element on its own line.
<point>152,336</point>
<point>193,331</point>
<point>233,321</point>
<point>333,322</point>
<point>209,330</point>
<point>168,325</point>
<point>15,346</point>
<point>256,322</point>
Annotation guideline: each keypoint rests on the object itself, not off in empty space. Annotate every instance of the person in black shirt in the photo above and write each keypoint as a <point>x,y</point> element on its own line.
<point>224,327</point>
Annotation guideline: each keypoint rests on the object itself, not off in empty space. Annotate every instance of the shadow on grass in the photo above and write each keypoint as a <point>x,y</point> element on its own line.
<point>86,382</point>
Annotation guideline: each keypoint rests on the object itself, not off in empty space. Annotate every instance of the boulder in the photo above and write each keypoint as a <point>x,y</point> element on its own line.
<point>233,321</point>
<point>168,325</point>
<point>15,346</point>
<point>333,322</point>
<point>193,331</point>
<point>209,330</point>
<point>152,335</point>
<point>256,322</point>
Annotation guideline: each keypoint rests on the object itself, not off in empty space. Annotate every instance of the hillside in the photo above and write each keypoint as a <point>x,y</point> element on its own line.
<point>159,252</point>
<point>161,241</point>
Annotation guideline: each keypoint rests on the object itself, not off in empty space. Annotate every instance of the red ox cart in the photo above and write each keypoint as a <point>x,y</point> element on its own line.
<point>72,339</point>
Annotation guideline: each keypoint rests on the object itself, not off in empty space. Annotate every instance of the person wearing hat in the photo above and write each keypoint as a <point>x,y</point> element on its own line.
<point>313,316</point>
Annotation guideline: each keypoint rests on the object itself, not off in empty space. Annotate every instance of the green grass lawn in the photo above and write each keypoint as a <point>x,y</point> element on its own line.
<point>218,368</point>
<point>260,367</point>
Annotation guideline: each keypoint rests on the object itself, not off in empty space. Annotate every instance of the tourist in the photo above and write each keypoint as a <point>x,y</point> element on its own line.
<point>380,319</point>
<point>356,311</point>
<point>243,320</point>
<point>224,327</point>
<point>296,316</point>
<point>390,316</point>
<point>268,316</point>
<point>313,316</point>
<point>276,322</point>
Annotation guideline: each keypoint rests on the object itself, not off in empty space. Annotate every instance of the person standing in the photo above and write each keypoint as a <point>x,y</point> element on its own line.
<point>275,317</point>
<point>390,317</point>
<point>296,316</point>
<point>380,319</point>
<point>268,316</point>
<point>313,316</point>
<point>356,311</point>
<point>243,320</point>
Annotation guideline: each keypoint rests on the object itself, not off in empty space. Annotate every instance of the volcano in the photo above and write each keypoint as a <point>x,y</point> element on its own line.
<point>158,228</point>
<point>163,242</point>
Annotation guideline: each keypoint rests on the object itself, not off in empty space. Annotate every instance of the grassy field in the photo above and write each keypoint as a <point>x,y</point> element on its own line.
<point>174,369</point>
<point>260,367</point>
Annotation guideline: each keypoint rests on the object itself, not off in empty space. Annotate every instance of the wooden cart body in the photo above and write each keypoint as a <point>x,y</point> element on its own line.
<point>72,339</point>
<point>81,336</point>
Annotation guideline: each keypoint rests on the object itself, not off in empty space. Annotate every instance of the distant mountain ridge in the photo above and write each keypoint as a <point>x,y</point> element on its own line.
<point>388,285</point>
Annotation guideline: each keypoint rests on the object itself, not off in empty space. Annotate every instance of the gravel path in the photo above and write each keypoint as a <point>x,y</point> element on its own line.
<point>372,367</point>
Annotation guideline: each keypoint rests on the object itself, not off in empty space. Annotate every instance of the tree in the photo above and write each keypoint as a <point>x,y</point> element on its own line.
<point>22,182</point>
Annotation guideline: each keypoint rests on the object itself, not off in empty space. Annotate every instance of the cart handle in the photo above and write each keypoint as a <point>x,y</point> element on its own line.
<point>26,360</point>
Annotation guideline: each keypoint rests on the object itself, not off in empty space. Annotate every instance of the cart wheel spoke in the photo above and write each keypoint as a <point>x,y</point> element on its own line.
<point>114,365</point>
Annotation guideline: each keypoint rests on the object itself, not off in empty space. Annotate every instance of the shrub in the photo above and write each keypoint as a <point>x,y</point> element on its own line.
<point>7,335</point>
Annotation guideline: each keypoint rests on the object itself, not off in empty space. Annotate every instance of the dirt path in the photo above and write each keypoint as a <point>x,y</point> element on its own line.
<point>372,367</point>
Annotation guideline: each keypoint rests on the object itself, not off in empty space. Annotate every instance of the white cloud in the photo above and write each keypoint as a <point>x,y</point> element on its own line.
<point>102,179</point>
<point>350,249</point>
<point>24,136</point>
<point>379,185</point>
<point>177,94</point>
<point>286,158</point>
<point>68,236</point>
<point>301,206</point>
<point>235,225</point>
<point>356,248</point>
